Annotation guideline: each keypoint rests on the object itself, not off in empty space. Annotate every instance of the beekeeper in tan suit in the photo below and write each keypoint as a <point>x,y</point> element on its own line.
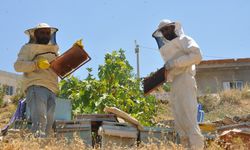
<point>180,54</point>
<point>39,81</point>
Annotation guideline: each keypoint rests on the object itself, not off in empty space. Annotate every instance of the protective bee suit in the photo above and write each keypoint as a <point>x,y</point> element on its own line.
<point>29,55</point>
<point>40,83</point>
<point>182,53</point>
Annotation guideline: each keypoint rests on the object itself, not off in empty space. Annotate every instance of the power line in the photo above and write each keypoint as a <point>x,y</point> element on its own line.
<point>148,48</point>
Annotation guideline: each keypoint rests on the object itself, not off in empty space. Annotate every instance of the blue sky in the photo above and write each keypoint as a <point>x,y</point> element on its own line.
<point>220,27</point>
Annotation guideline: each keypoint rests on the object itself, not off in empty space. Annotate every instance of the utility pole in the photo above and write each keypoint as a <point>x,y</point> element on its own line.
<point>137,59</point>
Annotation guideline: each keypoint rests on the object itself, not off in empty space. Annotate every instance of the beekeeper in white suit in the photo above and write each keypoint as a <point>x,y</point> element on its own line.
<point>39,81</point>
<point>180,54</point>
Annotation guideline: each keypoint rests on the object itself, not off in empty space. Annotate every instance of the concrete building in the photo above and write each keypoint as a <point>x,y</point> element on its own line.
<point>213,76</point>
<point>11,81</point>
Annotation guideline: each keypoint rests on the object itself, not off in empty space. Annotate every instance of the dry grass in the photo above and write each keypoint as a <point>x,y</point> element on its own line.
<point>216,106</point>
<point>164,113</point>
<point>5,114</point>
<point>227,103</point>
<point>229,110</point>
<point>209,102</point>
<point>230,96</point>
<point>25,141</point>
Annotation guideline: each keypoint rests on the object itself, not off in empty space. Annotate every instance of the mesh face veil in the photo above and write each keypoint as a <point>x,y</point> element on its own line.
<point>160,39</point>
<point>31,33</point>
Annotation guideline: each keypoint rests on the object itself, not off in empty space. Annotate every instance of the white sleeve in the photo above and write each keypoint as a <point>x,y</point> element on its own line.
<point>192,53</point>
<point>22,63</point>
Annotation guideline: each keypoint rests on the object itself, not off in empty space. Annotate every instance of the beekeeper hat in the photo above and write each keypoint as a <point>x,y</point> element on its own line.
<point>164,23</point>
<point>158,35</point>
<point>30,32</point>
<point>39,26</point>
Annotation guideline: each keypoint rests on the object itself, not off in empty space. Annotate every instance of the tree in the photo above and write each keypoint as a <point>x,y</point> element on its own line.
<point>117,86</point>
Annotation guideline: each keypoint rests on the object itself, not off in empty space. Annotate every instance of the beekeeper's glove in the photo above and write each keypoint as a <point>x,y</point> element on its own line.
<point>79,43</point>
<point>43,63</point>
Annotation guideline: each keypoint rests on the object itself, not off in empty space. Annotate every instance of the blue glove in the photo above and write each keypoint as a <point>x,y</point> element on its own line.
<point>169,65</point>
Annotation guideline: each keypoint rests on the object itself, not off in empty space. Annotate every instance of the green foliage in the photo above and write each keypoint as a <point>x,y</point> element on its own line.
<point>2,93</point>
<point>166,86</point>
<point>116,86</point>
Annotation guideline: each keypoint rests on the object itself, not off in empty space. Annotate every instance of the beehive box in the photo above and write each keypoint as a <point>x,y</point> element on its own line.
<point>97,119</point>
<point>157,135</point>
<point>118,134</point>
<point>81,128</point>
<point>63,109</point>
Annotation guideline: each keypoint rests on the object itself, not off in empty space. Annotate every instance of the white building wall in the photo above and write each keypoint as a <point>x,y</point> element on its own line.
<point>10,79</point>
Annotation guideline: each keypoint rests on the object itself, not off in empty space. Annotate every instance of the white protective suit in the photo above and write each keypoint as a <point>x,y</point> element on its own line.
<point>184,52</point>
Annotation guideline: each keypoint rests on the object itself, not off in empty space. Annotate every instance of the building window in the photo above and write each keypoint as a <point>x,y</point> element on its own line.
<point>233,85</point>
<point>9,90</point>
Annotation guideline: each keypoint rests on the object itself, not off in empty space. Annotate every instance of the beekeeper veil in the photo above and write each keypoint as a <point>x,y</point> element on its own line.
<point>31,33</point>
<point>160,39</point>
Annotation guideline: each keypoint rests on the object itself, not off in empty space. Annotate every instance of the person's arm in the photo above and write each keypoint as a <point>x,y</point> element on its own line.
<point>22,63</point>
<point>193,53</point>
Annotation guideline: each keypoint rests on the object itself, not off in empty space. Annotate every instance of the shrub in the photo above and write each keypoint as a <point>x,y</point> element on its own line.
<point>116,87</point>
<point>209,101</point>
<point>232,96</point>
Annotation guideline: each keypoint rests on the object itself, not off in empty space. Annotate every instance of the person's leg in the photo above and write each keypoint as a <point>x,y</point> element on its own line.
<point>177,114</point>
<point>196,139</point>
<point>50,113</point>
<point>181,132</point>
<point>186,108</point>
<point>37,102</point>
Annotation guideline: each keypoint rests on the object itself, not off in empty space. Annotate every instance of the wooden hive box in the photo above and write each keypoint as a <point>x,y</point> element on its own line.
<point>157,135</point>
<point>118,134</point>
<point>81,128</point>
<point>96,121</point>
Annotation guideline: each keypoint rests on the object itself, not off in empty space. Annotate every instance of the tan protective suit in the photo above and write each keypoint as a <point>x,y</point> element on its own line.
<point>26,63</point>
<point>184,53</point>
